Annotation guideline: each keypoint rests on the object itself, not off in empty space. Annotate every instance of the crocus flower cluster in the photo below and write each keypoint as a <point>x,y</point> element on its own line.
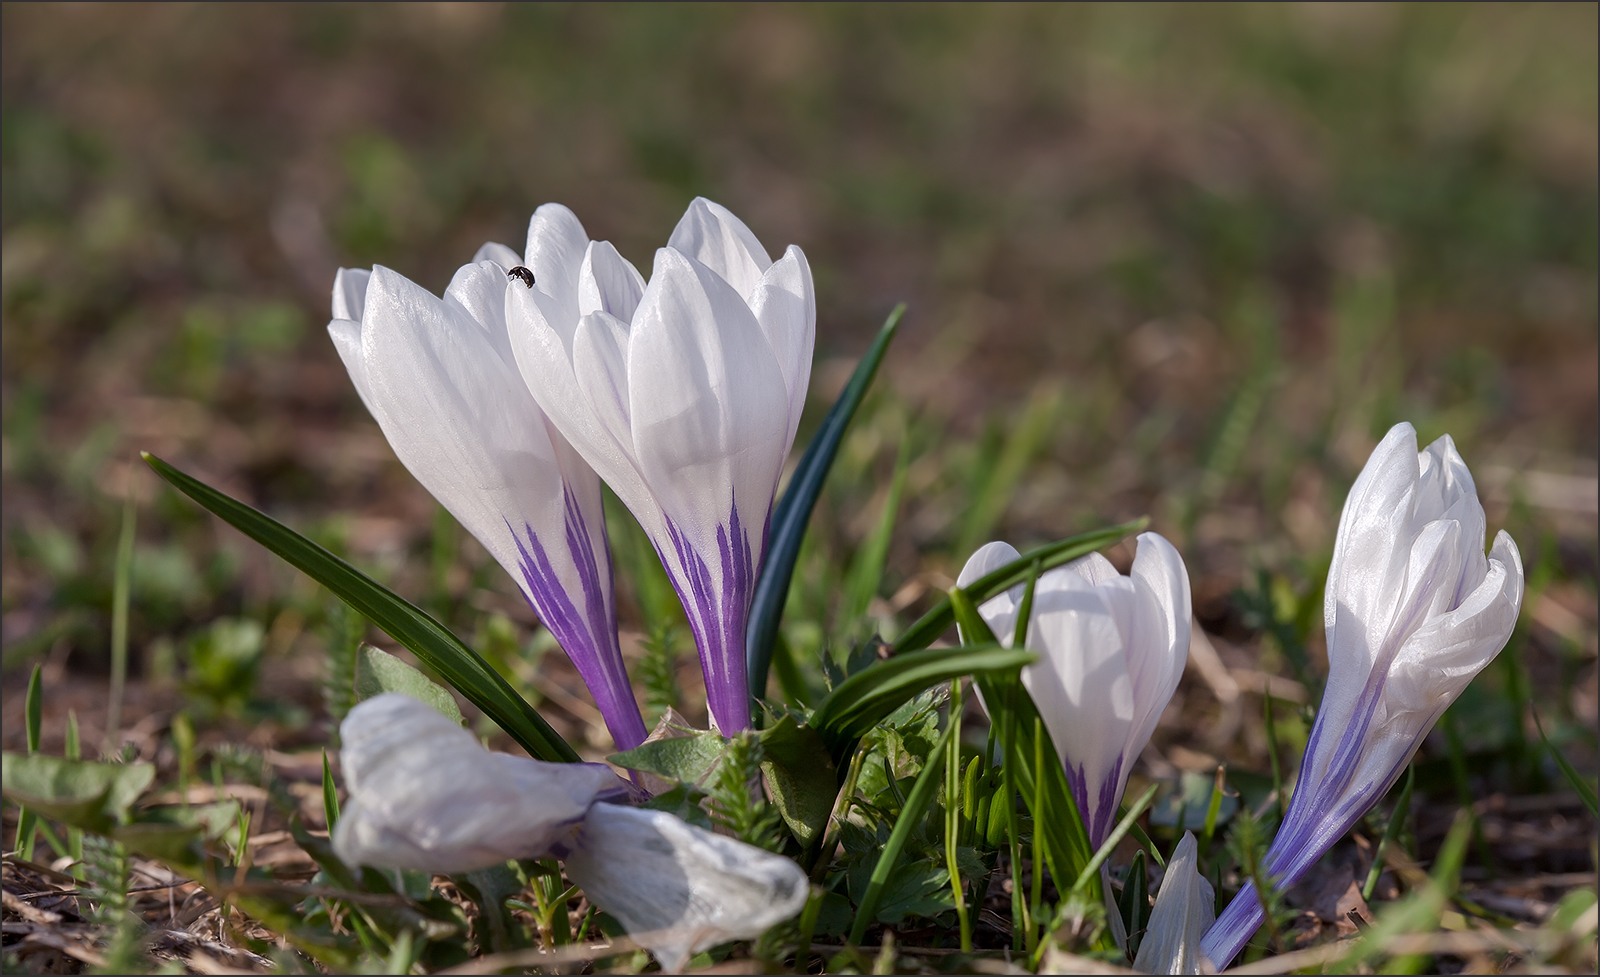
<point>532,373</point>
<point>1413,611</point>
<point>424,795</point>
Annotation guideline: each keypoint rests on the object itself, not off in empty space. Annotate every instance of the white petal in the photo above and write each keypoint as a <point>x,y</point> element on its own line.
<point>999,611</point>
<point>678,889</point>
<point>1160,646</point>
<point>556,246</point>
<point>458,416</point>
<point>425,796</point>
<point>608,282</point>
<point>1094,568</point>
<point>1185,908</point>
<point>544,358</point>
<point>785,304</point>
<point>1370,554</point>
<point>500,254</point>
<point>346,336</point>
<point>709,408</point>
<point>479,290</point>
<point>1082,688</point>
<point>710,234</point>
<point>350,293</point>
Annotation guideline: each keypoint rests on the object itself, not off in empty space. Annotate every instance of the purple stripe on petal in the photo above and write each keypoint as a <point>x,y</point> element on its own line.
<point>589,637</point>
<point>1101,817</point>
<point>717,615</point>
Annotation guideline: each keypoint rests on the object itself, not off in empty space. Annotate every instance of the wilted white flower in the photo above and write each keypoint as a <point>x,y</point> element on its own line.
<point>1413,611</point>
<point>682,888</point>
<point>684,395</point>
<point>1185,908</point>
<point>425,795</point>
<point>439,377</point>
<point>1111,650</point>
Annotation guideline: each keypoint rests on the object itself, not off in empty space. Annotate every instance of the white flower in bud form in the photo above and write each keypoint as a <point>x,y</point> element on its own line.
<point>1111,650</point>
<point>680,889</point>
<point>425,795</point>
<point>1185,908</point>
<point>438,376</point>
<point>684,394</point>
<point>1413,610</point>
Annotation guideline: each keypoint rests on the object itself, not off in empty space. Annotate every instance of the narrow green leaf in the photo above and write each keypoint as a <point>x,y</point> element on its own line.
<point>792,512</point>
<point>1058,825</point>
<point>423,636</point>
<point>121,588</point>
<point>866,570</point>
<point>378,672</point>
<point>1402,807</point>
<point>1586,792</point>
<point>974,629</point>
<point>330,795</point>
<point>931,625</point>
<point>33,708</point>
<point>865,698</point>
<point>1134,904</point>
<point>910,817</point>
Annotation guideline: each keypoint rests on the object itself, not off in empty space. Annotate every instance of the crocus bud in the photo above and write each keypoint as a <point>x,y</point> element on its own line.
<point>1413,611</point>
<point>1185,908</point>
<point>684,394</point>
<point>438,376</point>
<point>1111,650</point>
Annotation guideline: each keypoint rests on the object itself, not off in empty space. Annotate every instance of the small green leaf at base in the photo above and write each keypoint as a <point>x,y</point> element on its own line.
<point>378,672</point>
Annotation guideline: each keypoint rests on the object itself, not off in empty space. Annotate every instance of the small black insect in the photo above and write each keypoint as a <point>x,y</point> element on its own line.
<point>522,275</point>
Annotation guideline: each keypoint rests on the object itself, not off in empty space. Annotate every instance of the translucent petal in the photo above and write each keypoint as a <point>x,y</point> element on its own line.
<point>1184,910</point>
<point>710,234</point>
<point>679,889</point>
<point>425,796</point>
<point>785,304</point>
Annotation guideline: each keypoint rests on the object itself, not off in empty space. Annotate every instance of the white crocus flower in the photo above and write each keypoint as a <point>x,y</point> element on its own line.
<point>1111,650</point>
<point>679,888</point>
<point>1413,611</point>
<point>424,795</point>
<point>439,377</point>
<point>1185,908</point>
<point>684,394</point>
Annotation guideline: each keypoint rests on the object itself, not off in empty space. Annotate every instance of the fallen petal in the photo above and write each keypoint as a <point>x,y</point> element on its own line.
<point>680,889</point>
<point>1185,909</point>
<point>424,795</point>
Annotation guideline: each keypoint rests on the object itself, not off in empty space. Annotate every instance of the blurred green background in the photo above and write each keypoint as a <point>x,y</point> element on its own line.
<point>1184,260</point>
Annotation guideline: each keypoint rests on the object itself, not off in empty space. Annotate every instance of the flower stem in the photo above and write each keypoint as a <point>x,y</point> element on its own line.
<point>952,815</point>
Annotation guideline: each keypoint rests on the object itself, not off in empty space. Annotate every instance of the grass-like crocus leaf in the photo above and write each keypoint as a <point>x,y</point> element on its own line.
<point>1586,791</point>
<point>1115,837</point>
<point>792,512</point>
<point>931,625</point>
<point>865,698</point>
<point>408,624</point>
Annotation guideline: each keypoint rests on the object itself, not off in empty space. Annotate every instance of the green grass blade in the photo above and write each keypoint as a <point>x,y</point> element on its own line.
<point>866,570</point>
<point>330,795</point>
<point>425,637</point>
<point>931,625</point>
<point>1402,807</point>
<point>120,590</point>
<point>33,715</point>
<point>910,817</point>
<point>865,698</point>
<point>1027,435</point>
<point>1586,793</point>
<point>792,513</point>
